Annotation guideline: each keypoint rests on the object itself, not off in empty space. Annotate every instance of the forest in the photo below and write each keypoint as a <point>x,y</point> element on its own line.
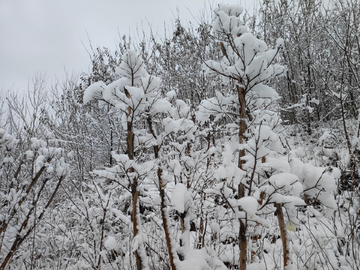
<point>230,144</point>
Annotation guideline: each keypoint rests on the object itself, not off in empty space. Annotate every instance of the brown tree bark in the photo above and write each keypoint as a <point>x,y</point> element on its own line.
<point>280,216</point>
<point>163,199</point>
<point>165,221</point>
<point>135,196</point>
<point>242,124</point>
<point>241,187</point>
<point>242,234</point>
<point>134,182</point>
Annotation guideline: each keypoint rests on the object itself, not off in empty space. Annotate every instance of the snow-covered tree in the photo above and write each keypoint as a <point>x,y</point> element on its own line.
<point>255,176</point>
<point>32,170</point>
<point>162,167</point>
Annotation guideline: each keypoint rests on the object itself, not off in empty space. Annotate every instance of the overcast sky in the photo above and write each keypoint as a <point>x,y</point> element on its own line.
<point>49,36</point>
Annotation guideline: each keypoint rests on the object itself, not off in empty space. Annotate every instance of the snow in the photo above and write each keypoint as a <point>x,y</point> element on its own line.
<point>175,167</point>
<point>232,10</point>
<point>214,67</point>
<point>131,63</point>
<point>256,266</point>
<point>196,259</point>
<point>182,107</point>
<point>249,205</point>
<point>171,94</point>
<point>319,182</point>
<point>61,168</point>
<point>227,20</point>
<point>136,94</point>
<point>227,155</point>
<point>150,84</point>
<point>93,91</point>
<point>50,169</point>
<point>6,141</point>
<point>29,154</point>
<point>120,216</point>
<point>179,197</point>
<point>114,93</point>
<point>162,105</point>
<point>39,162</point>
<point>111,243</point>
<point>325,138</point>
<point>215,227</point>
<point>280,164</point>
<point>287,181</point>
<point>280,42</point>
<point>265,91</point>
<point>172,125</point>
<point>8,160</point>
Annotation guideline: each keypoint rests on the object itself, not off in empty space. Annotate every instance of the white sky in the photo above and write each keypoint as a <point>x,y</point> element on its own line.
<point>47,36</point>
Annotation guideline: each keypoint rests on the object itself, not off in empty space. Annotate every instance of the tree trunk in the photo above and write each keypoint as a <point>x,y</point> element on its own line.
<point>241,187</point>
<point>134,183</point>
<point>162,204</point>
<point>135,196</point>
<point>242,123</point>
<point>280,216</point>
<point>165,221</point>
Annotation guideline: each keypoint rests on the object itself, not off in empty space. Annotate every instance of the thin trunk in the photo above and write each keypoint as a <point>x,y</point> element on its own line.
<point>256,236</point>
<point>342,103</point>
<point>134,183</point>
<point>242,235</point>
<point>165,221</point>
<point>280,216</point>
<point>182,223</point>
<point>163,199</point>
<point>111,147</point>
<point>242,124</point>
<point>202,230</point>
<point>241,187</point>
<point>102,234</point>
<point>135,196</point>
<point>208,138</point>
<point>188,170</point>
<point>344,125</point>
